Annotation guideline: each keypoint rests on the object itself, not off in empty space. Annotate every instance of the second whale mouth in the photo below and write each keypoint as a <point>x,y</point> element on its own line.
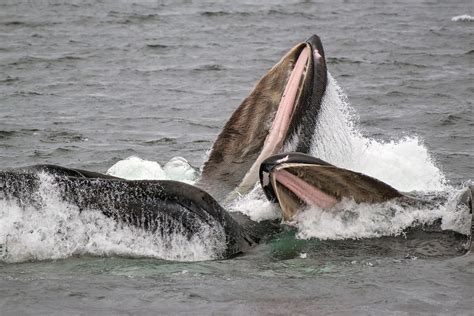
<point>296,181</point>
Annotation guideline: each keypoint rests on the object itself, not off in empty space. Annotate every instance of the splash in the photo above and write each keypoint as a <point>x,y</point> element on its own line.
<point>255,205</point>
<point>404,164</point>
<point>349,220</point>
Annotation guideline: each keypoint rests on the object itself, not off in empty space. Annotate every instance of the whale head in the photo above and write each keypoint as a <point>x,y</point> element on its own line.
<point>296,181</point>
<point>283,105</point>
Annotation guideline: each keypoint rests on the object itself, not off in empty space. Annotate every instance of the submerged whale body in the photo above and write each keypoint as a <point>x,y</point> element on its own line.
<point>280,113</point>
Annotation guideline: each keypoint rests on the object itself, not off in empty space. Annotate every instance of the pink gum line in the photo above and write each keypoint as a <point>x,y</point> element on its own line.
<point>308,193</point>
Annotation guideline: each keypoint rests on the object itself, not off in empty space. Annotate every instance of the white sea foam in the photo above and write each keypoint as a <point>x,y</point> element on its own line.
<point>349,220</point>
<point>255,205</point>
<point>462,18</point>
<point>179,169</point>
<point>59,230</point>
<point>135,168</point>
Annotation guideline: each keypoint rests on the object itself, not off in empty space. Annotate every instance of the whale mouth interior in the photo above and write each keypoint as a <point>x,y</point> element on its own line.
<point>300,64</point>
<point>297,185</point>
<point>290,98</point>
<point>295,190</point>
<point>287,105</point>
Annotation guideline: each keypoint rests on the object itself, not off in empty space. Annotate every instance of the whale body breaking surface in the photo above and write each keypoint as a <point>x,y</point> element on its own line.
<point>174,205</point>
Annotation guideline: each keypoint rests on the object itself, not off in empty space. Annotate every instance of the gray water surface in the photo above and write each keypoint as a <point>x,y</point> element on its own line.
<point>85,84</point>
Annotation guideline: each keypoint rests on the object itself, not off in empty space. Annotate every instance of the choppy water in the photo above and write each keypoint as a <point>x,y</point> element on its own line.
<point>86,84</point>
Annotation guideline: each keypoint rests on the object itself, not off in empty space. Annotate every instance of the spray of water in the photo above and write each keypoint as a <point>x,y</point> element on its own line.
<point>349,220</point>
<point>405,163</point>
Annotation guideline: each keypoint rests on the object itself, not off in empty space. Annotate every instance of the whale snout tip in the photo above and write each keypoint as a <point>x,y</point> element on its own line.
<point>313,39</point>
<point>317,46</point>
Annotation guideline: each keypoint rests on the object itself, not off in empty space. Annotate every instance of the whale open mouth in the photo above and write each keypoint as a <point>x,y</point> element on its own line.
<point>289,102</point>
<point>284,102</point>
<point>296,180</point>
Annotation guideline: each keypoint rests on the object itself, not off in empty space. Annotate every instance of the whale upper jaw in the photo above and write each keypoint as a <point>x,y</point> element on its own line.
<point>283,104</point>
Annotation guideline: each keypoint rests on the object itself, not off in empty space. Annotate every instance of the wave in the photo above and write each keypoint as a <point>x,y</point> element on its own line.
<point>462,18</point>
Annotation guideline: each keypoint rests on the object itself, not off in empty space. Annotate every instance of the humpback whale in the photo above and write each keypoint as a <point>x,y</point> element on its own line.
<point>283,107</point>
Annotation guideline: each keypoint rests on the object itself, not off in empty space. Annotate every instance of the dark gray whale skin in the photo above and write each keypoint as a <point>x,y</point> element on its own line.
<point>161,207</point>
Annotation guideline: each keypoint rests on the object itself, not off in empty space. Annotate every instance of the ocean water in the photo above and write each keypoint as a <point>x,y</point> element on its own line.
<point>88,84</point>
